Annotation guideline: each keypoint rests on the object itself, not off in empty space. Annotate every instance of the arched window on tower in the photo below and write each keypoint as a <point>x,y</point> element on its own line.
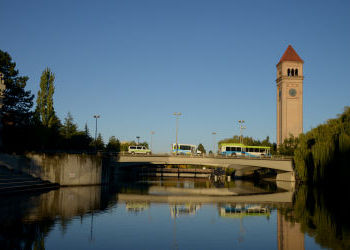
<point>296,72</point>
<point>288,74</point>
<point>292,72</point>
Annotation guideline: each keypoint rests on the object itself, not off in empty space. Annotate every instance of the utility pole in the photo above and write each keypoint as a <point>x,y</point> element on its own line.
<point>214,141</point>
<point>241,127</point>
<point>96,117</point>
<point>152,133</point>
<point>177,114</point>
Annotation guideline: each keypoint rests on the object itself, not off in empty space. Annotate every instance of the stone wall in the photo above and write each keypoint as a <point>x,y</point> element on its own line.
<point>64,169</point>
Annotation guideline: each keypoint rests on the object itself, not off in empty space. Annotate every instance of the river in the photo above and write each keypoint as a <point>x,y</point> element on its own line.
<point>172,214</point>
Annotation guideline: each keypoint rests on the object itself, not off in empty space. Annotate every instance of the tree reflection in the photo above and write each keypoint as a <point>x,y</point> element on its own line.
<point>323,214</point>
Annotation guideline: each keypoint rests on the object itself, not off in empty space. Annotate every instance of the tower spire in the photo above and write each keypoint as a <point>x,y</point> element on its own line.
<point>290,55</point>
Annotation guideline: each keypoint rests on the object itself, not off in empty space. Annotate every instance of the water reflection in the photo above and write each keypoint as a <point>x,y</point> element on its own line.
<point>198,214</point>
<point>177,210</point>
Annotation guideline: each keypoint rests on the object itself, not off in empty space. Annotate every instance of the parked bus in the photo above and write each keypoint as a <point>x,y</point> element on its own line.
<point>237,149</point>
<point>184,149</point>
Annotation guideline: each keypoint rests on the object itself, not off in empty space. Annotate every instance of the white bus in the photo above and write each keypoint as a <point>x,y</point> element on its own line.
<point>237,149</point>
<point>184,149</point>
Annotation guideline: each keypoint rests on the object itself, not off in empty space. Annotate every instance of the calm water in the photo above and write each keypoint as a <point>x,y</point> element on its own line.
<point>171,214</point>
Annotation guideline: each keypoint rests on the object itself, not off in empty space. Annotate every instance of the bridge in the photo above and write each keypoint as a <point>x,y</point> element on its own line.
<point>241,165</point>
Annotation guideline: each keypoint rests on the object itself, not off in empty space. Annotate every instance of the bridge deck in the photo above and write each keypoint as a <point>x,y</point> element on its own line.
<point>236,163</point>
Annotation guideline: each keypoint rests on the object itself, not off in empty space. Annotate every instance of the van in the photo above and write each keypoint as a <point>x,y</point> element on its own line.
<point>139,150</point>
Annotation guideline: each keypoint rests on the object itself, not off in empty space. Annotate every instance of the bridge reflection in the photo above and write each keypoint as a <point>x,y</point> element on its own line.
<point>26,220</point>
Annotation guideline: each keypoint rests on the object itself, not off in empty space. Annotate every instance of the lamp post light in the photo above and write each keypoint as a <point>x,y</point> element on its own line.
<point>138,140</point>
<point>241,127</point>
<point>177,114</point>
<point>214,141</point>
<point>96,117</point>
<point>152,133</point>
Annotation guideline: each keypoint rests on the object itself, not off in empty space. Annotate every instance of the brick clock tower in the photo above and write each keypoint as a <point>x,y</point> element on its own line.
<point>289,95</point>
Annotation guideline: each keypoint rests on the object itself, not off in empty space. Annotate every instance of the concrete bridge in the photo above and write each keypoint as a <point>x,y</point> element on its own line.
<point>241,165</point>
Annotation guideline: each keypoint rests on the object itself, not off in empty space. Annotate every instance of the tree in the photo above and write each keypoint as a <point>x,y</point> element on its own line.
<point>69,128</point>
<point>45,109</point>
<point>17,101</point>
<point>201,148</point>
<point>323,154</point>
<point>99,144</point>
<point>86,131</point>
<point>113,145</point>
<point>288,146</point>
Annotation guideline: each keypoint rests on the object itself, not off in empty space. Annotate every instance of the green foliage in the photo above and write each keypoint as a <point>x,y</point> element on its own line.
<point>288,146</point>
<point>18,102</point>
<point>69,128</point>
<point>99,144</point>
<point>45,108</point>
<point>249,141</point>
<point>323,154</point>
<point>201,148</point>
<point>113,145</point>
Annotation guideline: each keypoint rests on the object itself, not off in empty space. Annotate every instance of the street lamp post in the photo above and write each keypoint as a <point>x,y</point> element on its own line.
<point>241,127</point>
<point>177,114</point>
<point>214,141</point>
<point>96,117</point>
<point>152,133</point>
<point>138,140</point>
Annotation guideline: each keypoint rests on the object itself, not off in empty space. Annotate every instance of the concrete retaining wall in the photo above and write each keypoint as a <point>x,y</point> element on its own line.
<point>64,169</point>
<point>289,176</point>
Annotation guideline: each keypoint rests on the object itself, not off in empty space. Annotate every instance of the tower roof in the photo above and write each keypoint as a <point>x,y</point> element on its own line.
<point>290,55</point>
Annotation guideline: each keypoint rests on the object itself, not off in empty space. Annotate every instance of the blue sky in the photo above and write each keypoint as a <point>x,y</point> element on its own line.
<point>136,62</point>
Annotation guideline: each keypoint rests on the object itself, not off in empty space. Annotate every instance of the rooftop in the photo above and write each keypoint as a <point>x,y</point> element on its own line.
<point>290,55</point>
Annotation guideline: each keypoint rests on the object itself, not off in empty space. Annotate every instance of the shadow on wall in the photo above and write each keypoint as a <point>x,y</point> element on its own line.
<point>62,168</point>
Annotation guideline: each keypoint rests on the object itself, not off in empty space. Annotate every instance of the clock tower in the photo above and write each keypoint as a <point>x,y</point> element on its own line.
<point>289,95</point>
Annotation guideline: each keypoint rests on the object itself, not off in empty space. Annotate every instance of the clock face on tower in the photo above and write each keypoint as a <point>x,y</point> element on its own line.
<point>292,92</point>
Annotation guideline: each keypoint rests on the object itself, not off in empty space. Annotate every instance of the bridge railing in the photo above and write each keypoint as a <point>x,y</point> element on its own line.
<point>217,156</point>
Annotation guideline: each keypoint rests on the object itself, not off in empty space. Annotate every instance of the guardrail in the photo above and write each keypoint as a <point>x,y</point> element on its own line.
<point>272,157</point>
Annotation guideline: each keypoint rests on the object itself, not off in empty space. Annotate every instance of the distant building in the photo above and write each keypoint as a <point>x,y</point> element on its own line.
<point>289,95</point>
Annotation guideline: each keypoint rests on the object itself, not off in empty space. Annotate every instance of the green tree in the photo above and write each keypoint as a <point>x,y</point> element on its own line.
<point>18,102</point>
<point>201,148</point>
<point>99,144</point>
<point>113,145</point>
<point>86,131</point>
<point>323,153</point>
<point>288,146</point>
<point>69,128</point>
<point>45,108</point>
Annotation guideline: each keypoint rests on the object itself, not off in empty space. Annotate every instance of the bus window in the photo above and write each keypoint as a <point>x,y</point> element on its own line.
<point>185,147</point>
